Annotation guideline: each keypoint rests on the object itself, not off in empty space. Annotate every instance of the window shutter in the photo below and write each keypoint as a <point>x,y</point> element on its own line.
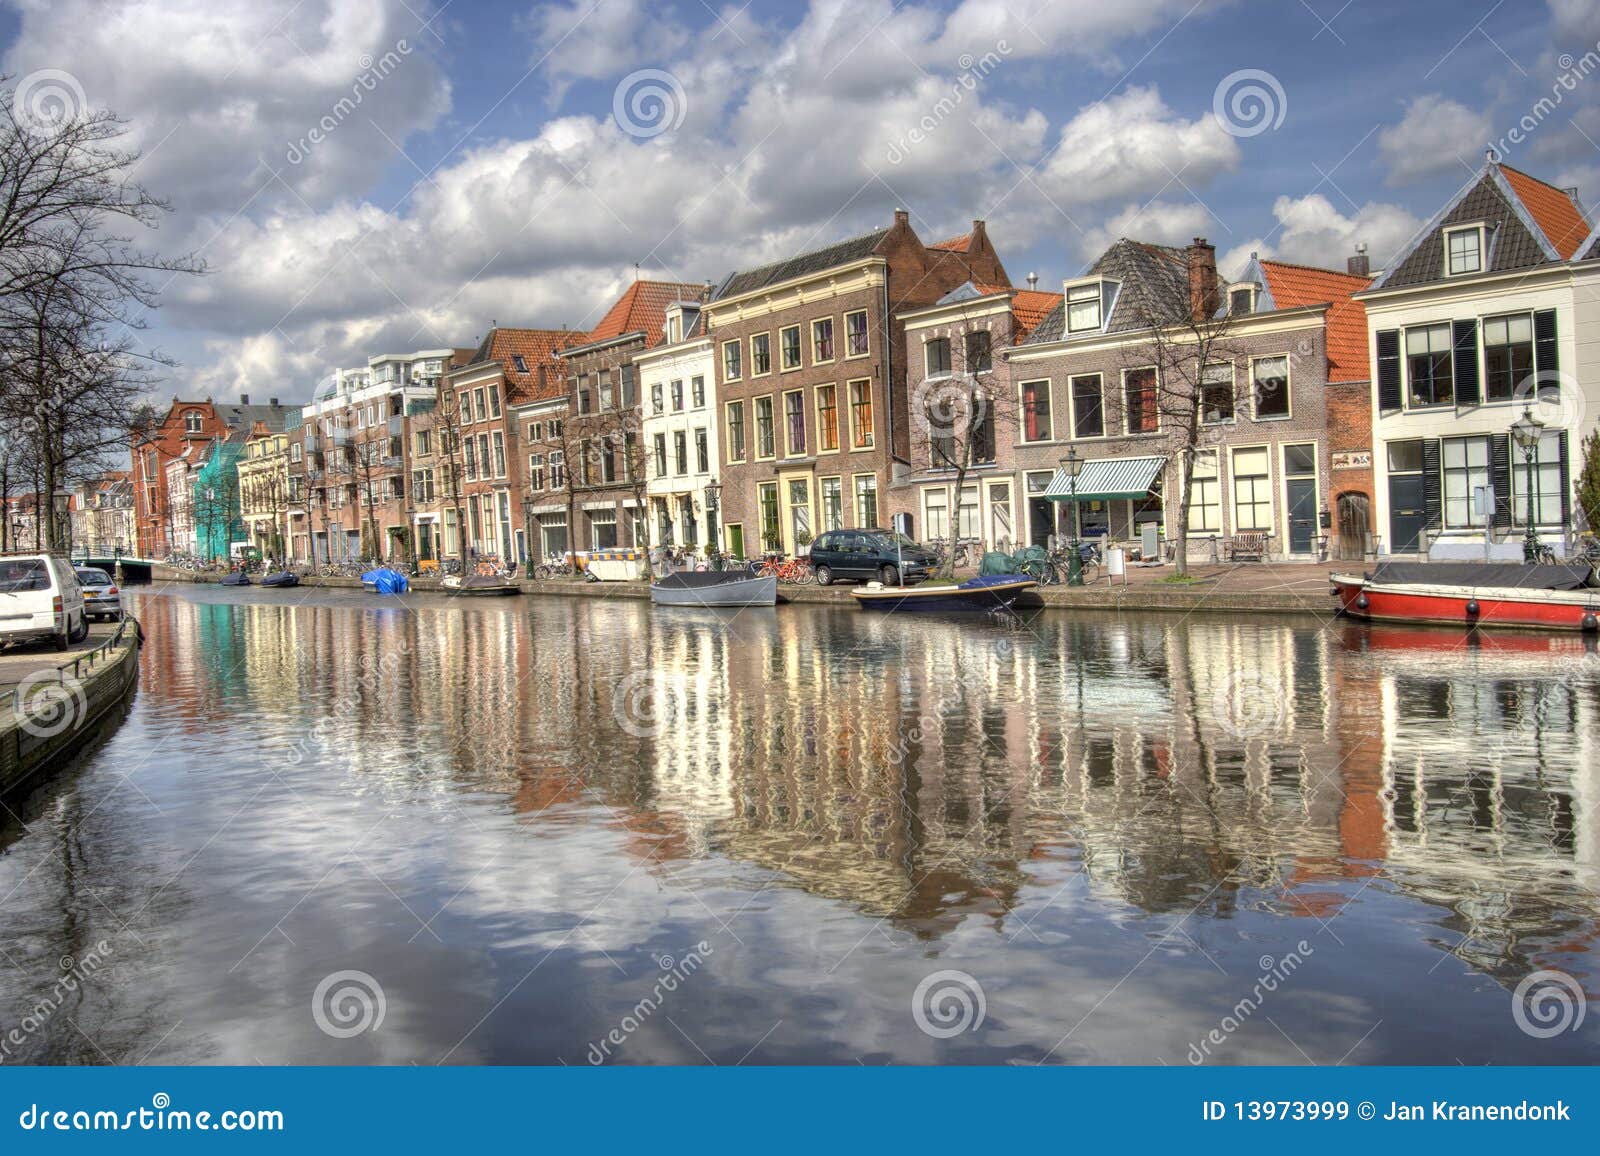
<point>1432,483</point>
<point>1566,483</point>
<point>1545,358</point>
<point>1464,358</point>
<point>1500,477</point>
<point>1389,369</point>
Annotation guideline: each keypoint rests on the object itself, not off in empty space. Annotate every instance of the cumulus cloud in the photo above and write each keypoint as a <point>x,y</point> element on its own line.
<point>1160,222</point>
<point>1435,135</point>
<point>1311,231</point>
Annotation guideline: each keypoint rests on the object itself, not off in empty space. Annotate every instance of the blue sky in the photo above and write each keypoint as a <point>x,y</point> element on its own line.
<point>484,176</point>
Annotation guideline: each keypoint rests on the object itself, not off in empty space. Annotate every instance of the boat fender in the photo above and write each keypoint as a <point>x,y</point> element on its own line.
<point>1472,608</point>
<point>1362,603</point>
<point>1590,622</point>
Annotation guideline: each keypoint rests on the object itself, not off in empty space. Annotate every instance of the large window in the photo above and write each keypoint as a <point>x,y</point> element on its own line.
<point>980,353</point>
<point>697,391</point>
<point>1216,394</point>
<point>657,399</point>
<point>789,346</point>
<point>794,422</point>
<point>861,436</point>
<point>866,501</point>
<point>822,339</point>
<point>1546,481</point>
<point>1428,365</point>
<point>736,431</point>
<point>761,354</point>
<point>1139,394</point>
<point>827,417</point>
<point>765,446</point>
<point>1463,251</point>
<point>535,472</point>
<point>1036,411</point>
<point>832,503</point>
<point>702,451</point>
<point>855,333</point>
<point>1088,408</point>
<point>1083,308</point>
<point>935,515</point>
<point>680,452</point>
<point>1252,491</point>
<point>732,364</point>
<point>1466,467</point>
<point>1205,496</point>
<point>677,397</point>
<point>1507,355</point>
<point>767,499</point>
<point>936,353</point>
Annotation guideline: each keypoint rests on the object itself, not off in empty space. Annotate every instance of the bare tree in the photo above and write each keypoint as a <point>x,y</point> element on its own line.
<point>447,433</point>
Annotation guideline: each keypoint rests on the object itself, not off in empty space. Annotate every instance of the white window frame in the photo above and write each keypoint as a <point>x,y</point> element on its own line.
<point>1456,231</point>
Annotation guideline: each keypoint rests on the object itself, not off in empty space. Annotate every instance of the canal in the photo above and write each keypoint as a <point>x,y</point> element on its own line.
<point>335,829</point>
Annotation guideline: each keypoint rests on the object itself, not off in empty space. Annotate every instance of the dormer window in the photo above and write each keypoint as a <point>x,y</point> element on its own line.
<point>192,421</point>
<point>1084,308</point>
<point>1463,251</point>
<point>1242,299</point>
<point>519,362</point>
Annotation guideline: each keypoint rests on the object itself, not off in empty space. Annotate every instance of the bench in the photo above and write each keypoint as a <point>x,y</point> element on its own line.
<point>1247,547</point>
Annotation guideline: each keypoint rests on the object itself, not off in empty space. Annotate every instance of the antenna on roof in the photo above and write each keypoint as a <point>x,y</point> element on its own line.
<point>636,270</point>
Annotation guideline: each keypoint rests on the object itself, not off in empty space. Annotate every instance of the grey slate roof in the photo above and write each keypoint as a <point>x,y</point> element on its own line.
<point>1511,239</point>
<point>245,416</point>
<point>816,261</point>
<point>1154,284</point>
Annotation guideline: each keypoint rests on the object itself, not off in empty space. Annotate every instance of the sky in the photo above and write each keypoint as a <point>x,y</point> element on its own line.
<point>380,176</point>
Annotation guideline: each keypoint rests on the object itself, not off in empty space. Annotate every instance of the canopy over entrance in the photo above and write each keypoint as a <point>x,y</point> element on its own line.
<point>1107,479</point>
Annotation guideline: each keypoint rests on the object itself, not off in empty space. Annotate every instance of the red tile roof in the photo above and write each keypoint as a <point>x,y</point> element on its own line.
<point>644,308</point>
<point>537,349</point>
<point>1553,211</point>
<point>1296,285</point>
<point>954,244</point>
<point>1028,308</point>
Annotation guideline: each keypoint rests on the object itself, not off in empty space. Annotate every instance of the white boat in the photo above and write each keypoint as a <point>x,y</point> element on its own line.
<point>714,588</point>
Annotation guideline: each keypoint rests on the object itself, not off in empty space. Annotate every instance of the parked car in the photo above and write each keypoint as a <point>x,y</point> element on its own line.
<point>40,598</point>
<point>101,598</point>
<point>884,555</point>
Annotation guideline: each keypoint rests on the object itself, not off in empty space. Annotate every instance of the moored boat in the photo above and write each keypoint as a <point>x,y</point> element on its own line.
<point>985,592</point>
<point>714,588</point>
<point>282,578</point>
<point>479,584</point>
<point>384,581</point>
<point>1467,594</point>
<point>236,578</point>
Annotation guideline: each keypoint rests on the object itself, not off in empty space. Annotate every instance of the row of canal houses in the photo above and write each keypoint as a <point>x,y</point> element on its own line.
<point>1343,413</point>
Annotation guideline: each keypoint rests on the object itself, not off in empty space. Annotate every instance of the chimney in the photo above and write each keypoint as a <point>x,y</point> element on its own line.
<point>1202,261</point>
<point>244,399</point>
<point>273,402</point>
<point>901,217</point>
<point>1358,265</point>
<point>1033,280</point>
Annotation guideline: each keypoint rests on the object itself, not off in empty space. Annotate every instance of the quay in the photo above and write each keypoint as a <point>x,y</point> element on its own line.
<point>52,701</point>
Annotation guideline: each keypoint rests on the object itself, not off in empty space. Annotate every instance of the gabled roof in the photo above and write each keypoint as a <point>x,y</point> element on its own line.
<point>1153,284</point>
<point>1294,286</point>
<point>813,261</point>
<point>642,308</point>
<point>245,416</point>
<point>1552,209</point>
<point>537,349</point>
<point>1029,307</point>
<point>954,244</point>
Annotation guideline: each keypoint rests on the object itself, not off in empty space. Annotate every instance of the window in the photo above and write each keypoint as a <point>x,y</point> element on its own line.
<point>1139,392</point>
<point>1088,407</point>
<point>736,431</point>
<point>558,470</point>
<point>604,378</point>
<point>697,392</point>
<point>1036,411</point>
<point>478,406</point>
<point>555,428</point>
<point>535,471</point>
<point>760,354</point>
<point>469,459</point>
<point>193,422</point>
<point>657,399</point>
<point>520,365</point>
<point>832,497</point>
<point>1083,308</point>
<point>935,515</point>
<point>980,352</point>
<point>702,452</point>
<point>827,417</point>
<point>861,433</point>
<point>1428,365</point>
<point>866,501</point>
<point>794,421</point>
<point>855,334</point>
<point>464,398</point>
<point>424,442</point>
<point>1205,498</point>
<point>936,354</point>
<point>680,452</point>
<point>1463,251</point>
<point>494,401</point>
<point>661,455</point>
<point>1216,394</point>
<point>499,454</point>
<point>732,369</point>
<point>1242,300</point>
<point>767,500</point>
<point>789,346</point>
<point>1546,481</point>
<point>677,397</point>
<point>1507,354</point>
<point>764,441</point>
<point>630,387</point>
<point>1269,383</point>
<point>1252,492</point>
<point>822,339</point>
<point>1466,467</point>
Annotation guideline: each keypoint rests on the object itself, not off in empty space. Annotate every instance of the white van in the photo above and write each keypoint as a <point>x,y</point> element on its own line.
<point>40,598</point>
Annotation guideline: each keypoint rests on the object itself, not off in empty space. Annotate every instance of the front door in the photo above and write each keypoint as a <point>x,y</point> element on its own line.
<point>1353,524</point>
<point>1407,512</point>
<point>794,511</point>
<point>1302,493</point>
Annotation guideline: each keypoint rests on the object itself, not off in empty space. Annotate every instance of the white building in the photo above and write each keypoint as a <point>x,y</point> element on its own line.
<point>677,388</point>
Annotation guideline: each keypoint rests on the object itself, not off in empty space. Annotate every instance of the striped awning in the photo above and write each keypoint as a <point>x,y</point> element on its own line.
<point>1106,479</point>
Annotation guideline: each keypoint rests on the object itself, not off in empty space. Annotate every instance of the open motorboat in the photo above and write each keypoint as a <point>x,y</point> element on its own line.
<point>489,585</point>
<point>1499,594</point>
<point>714,588</point>
<point>985,592</point>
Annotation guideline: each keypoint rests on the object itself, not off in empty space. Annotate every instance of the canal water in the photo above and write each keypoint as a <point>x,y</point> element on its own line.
<point>335,829</point>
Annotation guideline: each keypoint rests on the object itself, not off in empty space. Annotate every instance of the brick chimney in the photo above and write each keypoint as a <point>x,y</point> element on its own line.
<point>1202,260</point>
<point>1358,265</point>
<point>902,217</point>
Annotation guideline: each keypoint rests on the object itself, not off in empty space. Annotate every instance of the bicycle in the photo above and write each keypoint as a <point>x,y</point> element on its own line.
<point>555,565</point>
<point>794,571</point>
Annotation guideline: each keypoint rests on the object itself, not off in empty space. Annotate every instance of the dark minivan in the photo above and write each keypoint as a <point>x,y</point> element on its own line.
<point>868,555</point>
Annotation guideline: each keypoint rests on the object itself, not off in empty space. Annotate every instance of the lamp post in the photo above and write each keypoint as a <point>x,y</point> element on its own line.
<point>1072,464</point>
<point>1526,431</point>
<point>713,492</point>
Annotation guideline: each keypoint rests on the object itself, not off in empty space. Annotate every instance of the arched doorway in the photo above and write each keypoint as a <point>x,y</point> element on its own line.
<point>1355,522</point>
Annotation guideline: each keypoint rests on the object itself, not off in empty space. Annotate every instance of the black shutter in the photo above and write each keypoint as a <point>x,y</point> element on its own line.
<point>1388,369</point>
<point>1545,359</point>
<point>1500,477</point>
<point>1566,483</point>
<point>1432,484</point>
<point>1464,359</point>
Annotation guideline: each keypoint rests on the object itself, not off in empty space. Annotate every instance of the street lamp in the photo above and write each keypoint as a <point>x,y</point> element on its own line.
<point>713,491</point>
<point>1526,431</point>
<point>1071,465</point>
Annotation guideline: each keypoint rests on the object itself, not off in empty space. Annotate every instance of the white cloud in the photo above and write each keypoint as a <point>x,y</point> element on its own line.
<point>1311,231</point>
<point>1435,135</point>
<point>1159,222</point>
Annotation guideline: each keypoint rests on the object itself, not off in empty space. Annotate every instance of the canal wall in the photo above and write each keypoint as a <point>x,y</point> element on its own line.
<point>55,706</point>
<point>1205,597</point>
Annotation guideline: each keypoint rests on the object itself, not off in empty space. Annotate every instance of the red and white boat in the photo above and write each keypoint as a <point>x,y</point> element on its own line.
<point>1473,594</point>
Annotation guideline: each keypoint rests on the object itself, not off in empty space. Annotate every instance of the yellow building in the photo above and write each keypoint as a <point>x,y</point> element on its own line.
<point>264,490</point>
